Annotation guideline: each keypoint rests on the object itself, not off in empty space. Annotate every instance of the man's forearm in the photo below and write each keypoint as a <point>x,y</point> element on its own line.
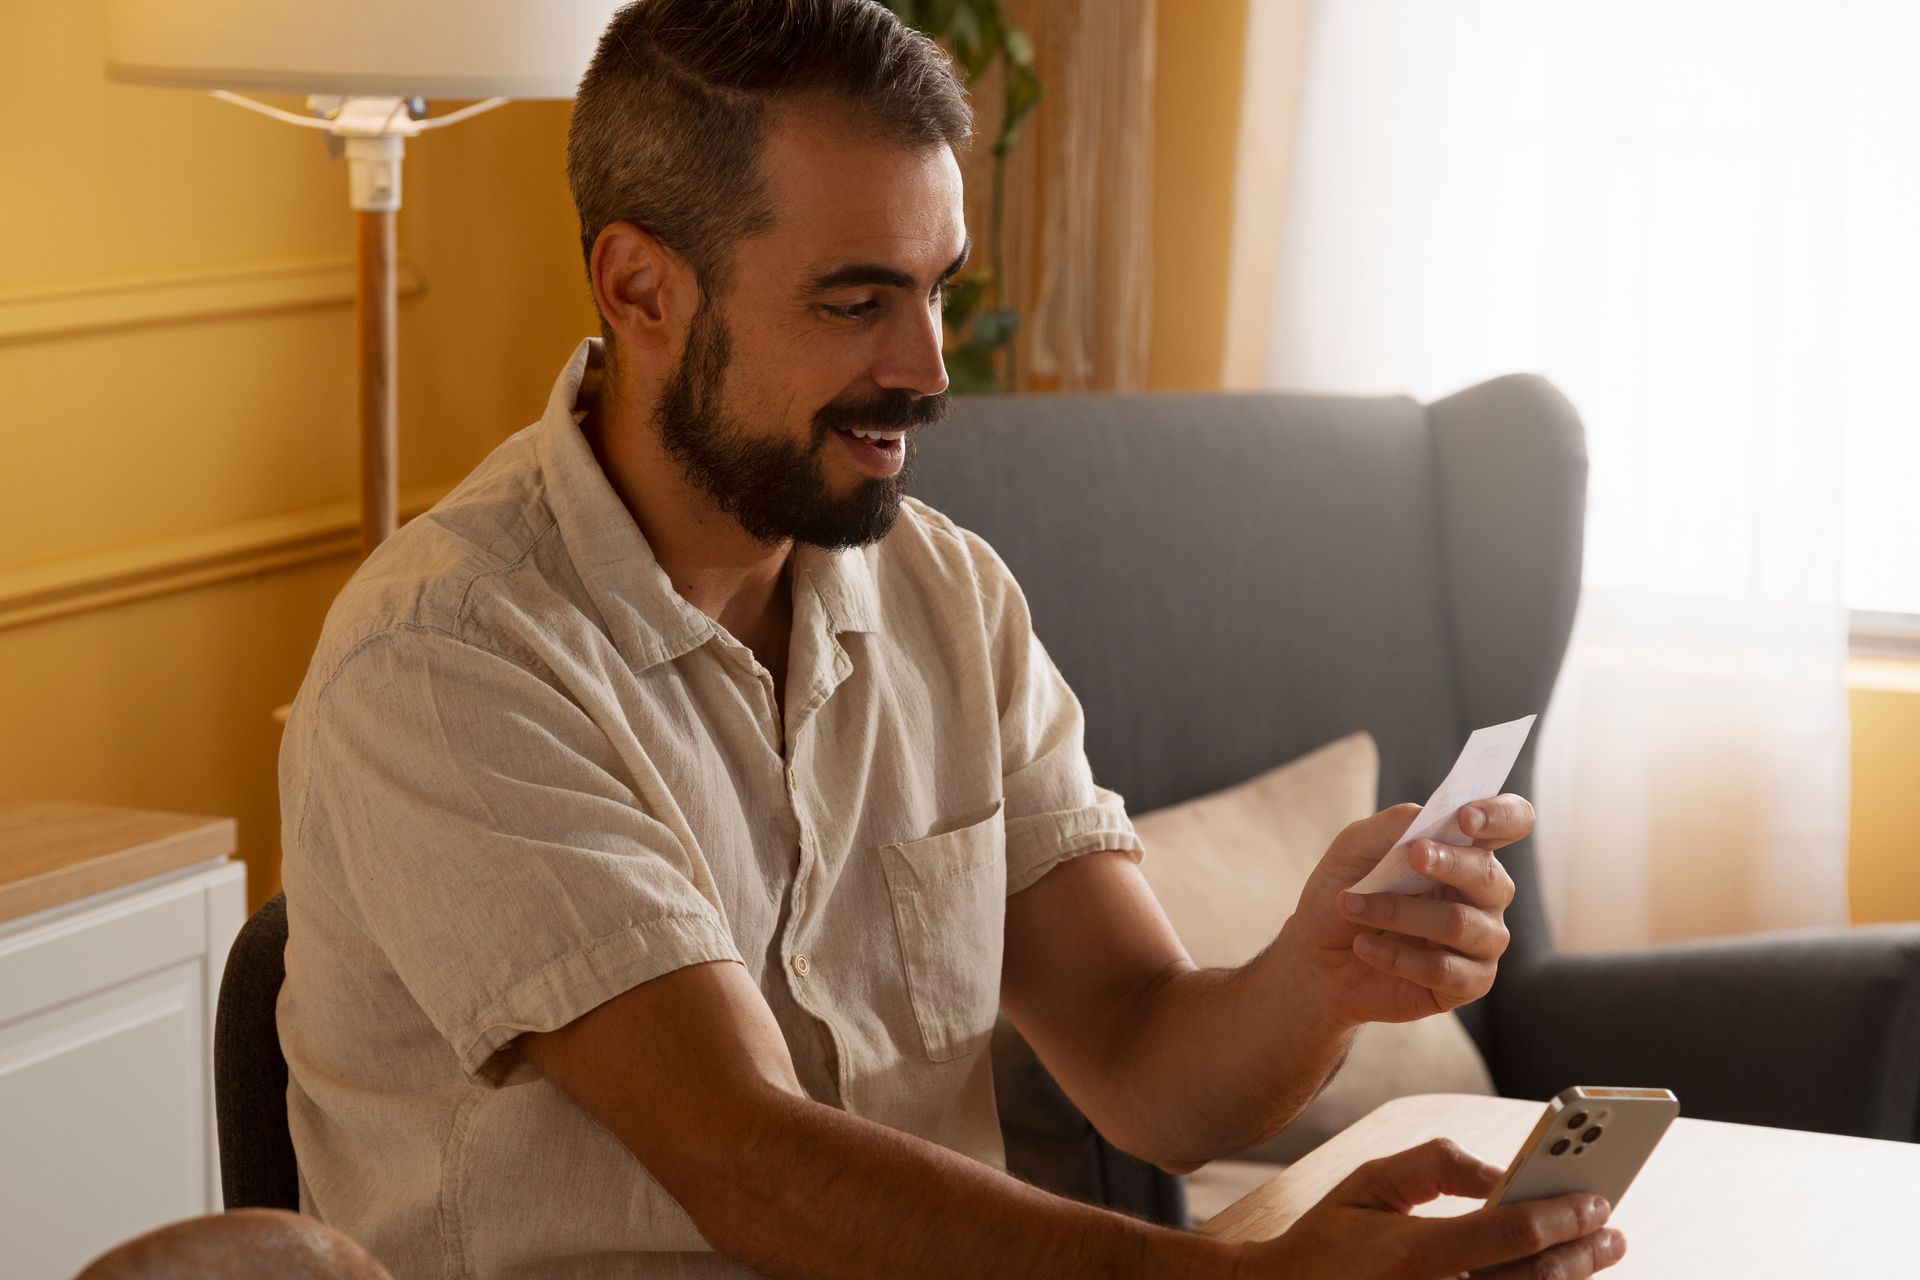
<point>819,1193</point>
<point>1218,1059</point>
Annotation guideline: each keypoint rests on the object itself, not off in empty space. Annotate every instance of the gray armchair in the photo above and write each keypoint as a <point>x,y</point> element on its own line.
<point>1228,581</point>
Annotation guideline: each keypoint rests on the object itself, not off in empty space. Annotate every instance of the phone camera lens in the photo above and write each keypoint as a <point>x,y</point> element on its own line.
<point>1590,1134</point>
<point>1559,1148</point>
<point>1578,1119</point>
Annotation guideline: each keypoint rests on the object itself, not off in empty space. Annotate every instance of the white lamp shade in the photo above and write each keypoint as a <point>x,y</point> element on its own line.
<point>375,48</point>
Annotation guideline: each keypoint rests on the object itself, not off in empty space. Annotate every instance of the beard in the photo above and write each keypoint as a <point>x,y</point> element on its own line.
<point>777,489</point>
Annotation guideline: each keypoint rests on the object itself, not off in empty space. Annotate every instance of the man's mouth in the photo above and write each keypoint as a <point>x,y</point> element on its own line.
<point>879,450</point>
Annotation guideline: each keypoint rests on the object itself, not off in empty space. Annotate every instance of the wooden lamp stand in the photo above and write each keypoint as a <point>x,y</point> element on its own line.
<point>373,131</point>
<point>376,323</point>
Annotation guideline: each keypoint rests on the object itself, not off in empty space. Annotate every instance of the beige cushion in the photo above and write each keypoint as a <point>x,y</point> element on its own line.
<point>1228,869</point>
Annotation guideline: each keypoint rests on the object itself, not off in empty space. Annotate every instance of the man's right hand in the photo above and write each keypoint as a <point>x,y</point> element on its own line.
<point>1363,1230</point>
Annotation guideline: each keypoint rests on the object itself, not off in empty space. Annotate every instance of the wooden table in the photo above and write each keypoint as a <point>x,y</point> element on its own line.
<point>1716,1200</point>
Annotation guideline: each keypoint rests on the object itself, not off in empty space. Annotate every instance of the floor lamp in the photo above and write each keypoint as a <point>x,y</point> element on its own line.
<point>368,67</point>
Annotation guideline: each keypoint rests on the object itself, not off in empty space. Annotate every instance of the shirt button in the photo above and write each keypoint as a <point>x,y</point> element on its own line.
<point>800,966</point>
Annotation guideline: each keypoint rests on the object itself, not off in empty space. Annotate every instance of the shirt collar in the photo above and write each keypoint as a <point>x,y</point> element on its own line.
<point>844,582</point>
<point>649,621</point>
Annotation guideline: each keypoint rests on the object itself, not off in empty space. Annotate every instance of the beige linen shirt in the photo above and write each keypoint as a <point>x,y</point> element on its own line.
<point>523,775</point>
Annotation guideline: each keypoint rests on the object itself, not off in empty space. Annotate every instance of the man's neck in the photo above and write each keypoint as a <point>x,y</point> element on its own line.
<point>712,562</point>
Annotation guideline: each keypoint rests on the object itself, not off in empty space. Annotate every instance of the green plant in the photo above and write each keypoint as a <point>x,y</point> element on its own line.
<point>980,325</point>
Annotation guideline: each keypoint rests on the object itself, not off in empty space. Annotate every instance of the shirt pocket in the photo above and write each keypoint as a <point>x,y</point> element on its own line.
<point>949,908</point>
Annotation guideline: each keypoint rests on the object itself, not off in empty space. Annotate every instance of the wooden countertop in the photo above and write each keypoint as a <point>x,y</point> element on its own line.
<point>56,851</point>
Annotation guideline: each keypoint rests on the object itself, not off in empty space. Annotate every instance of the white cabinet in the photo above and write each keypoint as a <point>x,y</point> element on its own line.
<point>106,1069</point>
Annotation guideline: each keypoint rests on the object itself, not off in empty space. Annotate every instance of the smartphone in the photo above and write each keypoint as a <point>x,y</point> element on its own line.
<point>1590,1139</point>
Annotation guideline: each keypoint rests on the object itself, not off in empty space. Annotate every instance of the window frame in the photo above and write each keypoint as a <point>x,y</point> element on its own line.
<point>1884,635</point>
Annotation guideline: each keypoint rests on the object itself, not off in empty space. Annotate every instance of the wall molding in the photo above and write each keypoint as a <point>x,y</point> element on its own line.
<point>68,308</point>
<point>165,566</point>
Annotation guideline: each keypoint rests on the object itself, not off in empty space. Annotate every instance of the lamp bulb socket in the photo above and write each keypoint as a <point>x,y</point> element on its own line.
<point>373,172</point>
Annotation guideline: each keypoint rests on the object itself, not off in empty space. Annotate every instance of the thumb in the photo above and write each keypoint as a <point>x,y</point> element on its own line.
<point>1399,1182</point>
<point>1360,845</point>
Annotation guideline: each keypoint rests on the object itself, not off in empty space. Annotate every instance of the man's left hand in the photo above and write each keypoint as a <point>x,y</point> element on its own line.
<point>1389,957</point>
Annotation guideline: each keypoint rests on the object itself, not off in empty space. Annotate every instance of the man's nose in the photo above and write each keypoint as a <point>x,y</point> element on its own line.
<point>911,358</point>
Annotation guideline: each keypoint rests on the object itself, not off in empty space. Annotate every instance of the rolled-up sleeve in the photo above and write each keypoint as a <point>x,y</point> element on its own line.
<point>472,819</point>
<point>1054,809</point>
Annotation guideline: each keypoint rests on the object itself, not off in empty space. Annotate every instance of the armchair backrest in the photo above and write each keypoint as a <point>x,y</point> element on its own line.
<point>1230,580</point>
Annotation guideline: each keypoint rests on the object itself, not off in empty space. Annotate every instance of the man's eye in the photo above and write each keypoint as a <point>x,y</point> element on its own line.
<point>852,311</point>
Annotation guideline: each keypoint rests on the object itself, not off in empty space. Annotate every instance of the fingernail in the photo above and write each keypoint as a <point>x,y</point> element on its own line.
<point>1367,944</point>
<point>1612,1245</point>
<point>1598,1208</point>
<point>1472,819</point>
<point>1355,903</point>
<point>1427,855</point>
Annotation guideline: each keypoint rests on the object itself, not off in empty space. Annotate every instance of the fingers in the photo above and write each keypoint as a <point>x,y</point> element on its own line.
<point>1561,1238</point>
<point>1565,1229</point>
<point>1473,932</point>
<point>1388,825</point>
<point>1453,979</point>
<point>1571,1261</point>
<point>1475,873</point>
<point>1401,1181</point>
<point>1499,820</point>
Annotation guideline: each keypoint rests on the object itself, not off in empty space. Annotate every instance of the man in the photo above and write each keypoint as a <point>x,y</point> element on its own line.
<point>670,811</point>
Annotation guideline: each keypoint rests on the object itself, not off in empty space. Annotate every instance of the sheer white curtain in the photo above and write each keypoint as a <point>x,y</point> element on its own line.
<point>1670,209</point>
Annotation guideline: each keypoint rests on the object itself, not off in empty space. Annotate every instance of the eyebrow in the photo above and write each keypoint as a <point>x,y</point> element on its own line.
<point>857,274</point>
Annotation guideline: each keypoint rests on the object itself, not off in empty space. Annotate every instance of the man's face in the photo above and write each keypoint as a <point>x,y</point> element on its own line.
<point>799,393</point>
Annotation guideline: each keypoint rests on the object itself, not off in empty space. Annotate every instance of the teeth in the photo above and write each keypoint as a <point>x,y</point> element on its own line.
<point>875,435</point>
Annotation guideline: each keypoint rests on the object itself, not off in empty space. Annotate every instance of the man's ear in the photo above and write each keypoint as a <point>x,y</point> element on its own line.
<point>645,291</point>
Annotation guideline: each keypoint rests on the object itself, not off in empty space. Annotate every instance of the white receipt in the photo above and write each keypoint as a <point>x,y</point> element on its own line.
<point>1480,772</point>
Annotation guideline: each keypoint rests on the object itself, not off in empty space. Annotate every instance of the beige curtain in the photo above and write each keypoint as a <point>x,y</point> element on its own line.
<point>1666,219</point>
<point>1079,195</point>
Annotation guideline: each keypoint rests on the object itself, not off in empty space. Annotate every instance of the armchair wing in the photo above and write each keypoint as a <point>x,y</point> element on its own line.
<point>1811,1029</point>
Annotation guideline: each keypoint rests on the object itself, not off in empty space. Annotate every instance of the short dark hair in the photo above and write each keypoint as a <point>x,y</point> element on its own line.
<point>672,113</point>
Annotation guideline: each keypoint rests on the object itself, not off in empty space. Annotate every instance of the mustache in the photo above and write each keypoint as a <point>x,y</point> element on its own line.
<point>894,410</point>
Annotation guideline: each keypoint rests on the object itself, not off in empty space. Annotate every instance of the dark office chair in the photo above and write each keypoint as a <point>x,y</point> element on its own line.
<point>257,1169</point>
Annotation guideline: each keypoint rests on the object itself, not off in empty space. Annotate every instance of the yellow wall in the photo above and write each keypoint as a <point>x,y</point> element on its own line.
<point>1196,116</point>
<point>176,386</point>
<point>1885,861</point>
<point>1223,150</point>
